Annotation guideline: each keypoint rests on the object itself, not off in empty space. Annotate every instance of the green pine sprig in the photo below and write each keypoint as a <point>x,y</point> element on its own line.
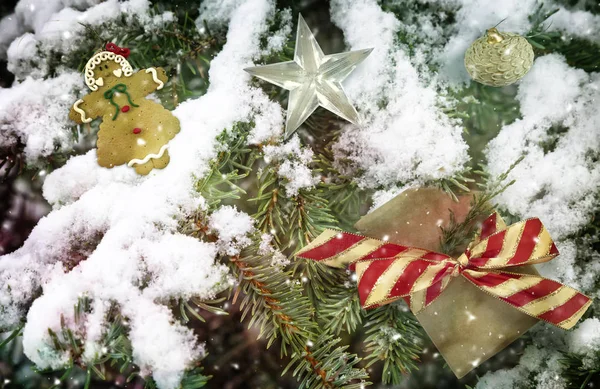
<point>393,338</point>
<point>340,310</point>
<point>323,364</point>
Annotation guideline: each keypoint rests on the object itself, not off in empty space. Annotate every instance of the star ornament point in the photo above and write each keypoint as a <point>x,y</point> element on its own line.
<point>313,79</point>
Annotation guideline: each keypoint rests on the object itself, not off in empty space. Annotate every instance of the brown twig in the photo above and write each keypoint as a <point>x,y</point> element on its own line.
<point>272,303</point>
<point>320,372</point>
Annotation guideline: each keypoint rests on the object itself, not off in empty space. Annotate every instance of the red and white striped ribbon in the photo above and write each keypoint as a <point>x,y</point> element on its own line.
<point>387,271</point>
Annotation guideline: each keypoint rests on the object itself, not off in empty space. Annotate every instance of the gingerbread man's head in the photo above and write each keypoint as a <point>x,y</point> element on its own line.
<point>107,67</point>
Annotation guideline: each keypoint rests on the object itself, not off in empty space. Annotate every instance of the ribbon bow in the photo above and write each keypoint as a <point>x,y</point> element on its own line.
<point>120,88</point>
<point>387,271</point>
<point>124,51</point>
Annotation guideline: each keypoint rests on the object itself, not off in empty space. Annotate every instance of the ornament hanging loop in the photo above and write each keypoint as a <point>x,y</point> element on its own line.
<point>494,36</point>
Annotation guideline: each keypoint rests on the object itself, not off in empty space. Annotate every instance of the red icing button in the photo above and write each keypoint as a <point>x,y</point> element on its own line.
<point>125,108</point>
<point>137,130</point>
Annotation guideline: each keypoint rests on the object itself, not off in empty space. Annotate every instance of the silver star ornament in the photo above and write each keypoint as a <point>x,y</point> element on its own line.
<point>313,79</point>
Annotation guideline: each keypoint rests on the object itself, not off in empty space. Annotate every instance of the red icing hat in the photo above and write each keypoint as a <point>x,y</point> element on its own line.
<point>124,51</point>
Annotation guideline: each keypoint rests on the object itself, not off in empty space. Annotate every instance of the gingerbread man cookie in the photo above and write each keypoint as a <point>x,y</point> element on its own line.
<point>134,130</point>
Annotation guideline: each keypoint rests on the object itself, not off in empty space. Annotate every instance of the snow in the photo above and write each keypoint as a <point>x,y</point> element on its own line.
<point>180,276</point>
<point>95,328</point>
<point>278,259</point>
<point>474,17</point>
<point>585,340</point>
<point>166,358</point>
<point>405,137</point>
<point>383,196</point>
<point>119,232</point>
<point>71,181</point>
<point>268,126</point>
<point>10,28</point>
<point>502,379</point>
<point>540,365</point>
<point>232,228</point>
<point>35,14</point>
<point>557,181</point>
<point>34,112</point>
<point>114,238</point>
<point>277,40</point>
<point>577,23</point>
<point>538,368</point>
<point>55,28</point>
<point>559,185</point>
<point>25,48</point>
<point>578,266</point>
<point>292,165</point>
<point>217,13</point>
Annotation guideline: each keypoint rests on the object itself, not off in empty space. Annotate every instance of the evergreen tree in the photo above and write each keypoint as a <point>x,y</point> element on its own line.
<point>256,199</point>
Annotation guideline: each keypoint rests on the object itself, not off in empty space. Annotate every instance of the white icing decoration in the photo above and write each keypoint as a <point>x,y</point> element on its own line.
<point>99,81</point>
<point>104,56</point>
<point>81,112</point>
<point>148,157</point>
<point>155,77</point>
<point>118,72</point>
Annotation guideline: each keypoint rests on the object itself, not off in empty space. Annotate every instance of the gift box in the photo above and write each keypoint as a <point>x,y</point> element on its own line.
<point>466,325</point>
<point>472,302</point>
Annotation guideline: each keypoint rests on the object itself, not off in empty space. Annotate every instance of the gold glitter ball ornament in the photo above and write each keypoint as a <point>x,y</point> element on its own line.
<point>499,58</point>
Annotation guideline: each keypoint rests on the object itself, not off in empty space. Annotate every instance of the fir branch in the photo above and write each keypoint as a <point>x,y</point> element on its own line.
<point>274,301</point>
<point>117,351</point>
<point>457,235</point>
<point>483,111</point>
<point>323,365</point>
<point>577,373</point>
<point>278,308</point>
<point>12,336</point>
<point>392,336</point>
<point>233,163</point>
<point>195,305</point>
<point>194,379</point>
<point>269,214</point>
<point>345,199</point>
<point>580,53</point>
<point>309,216</point>
<point>294,221</point>
<point>457,185</point>
<point>178,40</point>
<point>340,310</point>
<point>319,279</point>
<point>116,355</point>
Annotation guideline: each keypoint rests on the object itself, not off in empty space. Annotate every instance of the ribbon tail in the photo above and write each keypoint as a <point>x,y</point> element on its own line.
<point>116,108</point>
<point>129,100</point>
<point>421,299</point>
<point>536,296</point>
<point>385,271</point>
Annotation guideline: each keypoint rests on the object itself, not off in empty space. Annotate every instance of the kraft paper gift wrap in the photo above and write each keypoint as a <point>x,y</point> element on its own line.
<point>467,325</point>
